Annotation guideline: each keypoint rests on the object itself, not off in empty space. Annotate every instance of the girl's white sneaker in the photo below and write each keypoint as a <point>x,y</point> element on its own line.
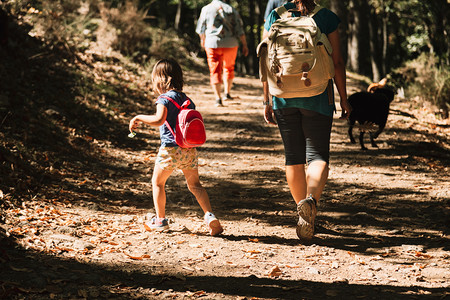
<point>214,225</point>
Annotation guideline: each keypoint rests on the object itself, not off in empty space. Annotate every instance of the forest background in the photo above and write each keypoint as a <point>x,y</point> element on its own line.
<point>406,41</point>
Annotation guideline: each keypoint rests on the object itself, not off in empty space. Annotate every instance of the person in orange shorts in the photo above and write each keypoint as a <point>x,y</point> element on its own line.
<point>220,29</point>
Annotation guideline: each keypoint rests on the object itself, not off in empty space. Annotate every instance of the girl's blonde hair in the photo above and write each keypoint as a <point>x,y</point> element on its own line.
<point>167,75</point>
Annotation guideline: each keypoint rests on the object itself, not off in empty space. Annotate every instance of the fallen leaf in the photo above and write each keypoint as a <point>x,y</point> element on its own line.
<point>138,257</point>
<point>275,272</point>
<point>292,267</point>
<point>423,255</point>
<point>200,293</point>
<point>357,258</point>
<point>252,251</point>
<point>64,249</point>
<point>419,266</point>
<point>83,293</point>
<point>21,269</point>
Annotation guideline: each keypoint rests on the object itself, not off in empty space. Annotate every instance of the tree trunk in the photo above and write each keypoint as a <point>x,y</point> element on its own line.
<point>251,38</point>
<point>178,15</point>
<point>358,41</point>
<point>353,31</point>
<point>437,28</point>
<point>375,48</point>
<point>339,7</point>
<point>384,55</point>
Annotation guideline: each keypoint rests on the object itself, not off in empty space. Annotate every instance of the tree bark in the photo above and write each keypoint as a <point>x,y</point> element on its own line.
<point>375,49</point>
<point>358,40</point>
<point>437,28</point>
<point>251,38</point>
<point>178,15</point>
<point>339,7</point>
<point>353,33</point>
<point>385,26</point>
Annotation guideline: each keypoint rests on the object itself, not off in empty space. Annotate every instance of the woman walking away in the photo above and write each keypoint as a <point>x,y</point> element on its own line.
<point>221,29</point>
<point>305,121</point>
<point>167,78</point>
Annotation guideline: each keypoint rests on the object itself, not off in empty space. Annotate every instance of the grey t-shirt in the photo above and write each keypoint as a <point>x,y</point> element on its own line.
<point>221,24</point>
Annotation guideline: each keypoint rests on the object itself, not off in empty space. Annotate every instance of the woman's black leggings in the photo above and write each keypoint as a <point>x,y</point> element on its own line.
<point>305,134</point>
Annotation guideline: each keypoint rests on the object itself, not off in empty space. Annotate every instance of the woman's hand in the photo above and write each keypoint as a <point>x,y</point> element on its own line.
<point>268,115</point>
<point>345,108</point>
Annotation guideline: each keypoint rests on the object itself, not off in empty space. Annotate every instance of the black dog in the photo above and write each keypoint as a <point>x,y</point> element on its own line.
<point>370,108</point>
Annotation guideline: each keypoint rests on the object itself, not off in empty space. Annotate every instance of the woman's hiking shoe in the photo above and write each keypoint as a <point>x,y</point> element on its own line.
<point>214,225</point>
<point>219,102</point>
<point>307,210</point>
<point>157,224</point>
<point>228,97</point>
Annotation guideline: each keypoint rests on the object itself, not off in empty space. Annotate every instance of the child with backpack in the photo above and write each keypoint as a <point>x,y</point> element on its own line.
<point>167,78</point>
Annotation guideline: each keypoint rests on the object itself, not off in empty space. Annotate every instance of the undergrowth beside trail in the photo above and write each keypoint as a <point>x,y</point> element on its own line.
<point>57,108</point>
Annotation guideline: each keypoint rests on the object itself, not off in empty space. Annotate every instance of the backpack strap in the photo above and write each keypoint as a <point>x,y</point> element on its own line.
<point>224,20</point>
<point>284,13</point>
<point>167,123</point>
<point>173,101</point>
<point>184,105</point>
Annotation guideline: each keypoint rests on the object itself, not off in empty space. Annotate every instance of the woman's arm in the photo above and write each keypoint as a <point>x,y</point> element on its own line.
<point>153,120</point>
<point>244,45</point>
<point>268,111</point>
<point>202,40</point>
<point>340,75</point>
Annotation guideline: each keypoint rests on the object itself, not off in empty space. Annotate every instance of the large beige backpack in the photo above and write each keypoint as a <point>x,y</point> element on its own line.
<point>295,58</point>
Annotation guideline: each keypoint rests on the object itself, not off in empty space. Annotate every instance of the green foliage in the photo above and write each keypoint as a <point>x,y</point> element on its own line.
<point>143,30</point>
<point>63,23</point>
<point>126,23</point>
<point>426,79</point>
<point>105,26</point>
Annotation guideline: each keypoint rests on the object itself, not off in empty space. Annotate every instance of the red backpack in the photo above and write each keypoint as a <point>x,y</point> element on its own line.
<point>189,129</point>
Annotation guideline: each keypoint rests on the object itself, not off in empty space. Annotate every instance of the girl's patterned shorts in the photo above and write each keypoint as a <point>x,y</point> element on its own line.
<point>171,158</point>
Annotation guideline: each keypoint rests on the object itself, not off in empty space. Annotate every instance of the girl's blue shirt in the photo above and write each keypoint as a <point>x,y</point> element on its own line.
<point>327,21</point>
<point>167,138</point>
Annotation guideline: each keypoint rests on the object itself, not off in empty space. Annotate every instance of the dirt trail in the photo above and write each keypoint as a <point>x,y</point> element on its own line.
<point>382,226</point>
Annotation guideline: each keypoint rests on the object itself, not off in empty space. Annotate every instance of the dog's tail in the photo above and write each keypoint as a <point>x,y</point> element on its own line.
<point>377,85</point>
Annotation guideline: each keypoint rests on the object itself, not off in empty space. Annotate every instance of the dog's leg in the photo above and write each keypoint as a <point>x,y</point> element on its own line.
<point>372,140</point>
<point>374,135</point>
<point>377,133</point>
<point>361,140</point>
<point>351,123</point>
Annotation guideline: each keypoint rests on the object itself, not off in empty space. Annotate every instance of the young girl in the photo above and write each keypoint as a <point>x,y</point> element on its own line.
<point>167,78</point>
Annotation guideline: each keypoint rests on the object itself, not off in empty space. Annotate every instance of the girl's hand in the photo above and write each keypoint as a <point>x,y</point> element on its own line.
<point>268,115</point>
<point>134,123</point>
